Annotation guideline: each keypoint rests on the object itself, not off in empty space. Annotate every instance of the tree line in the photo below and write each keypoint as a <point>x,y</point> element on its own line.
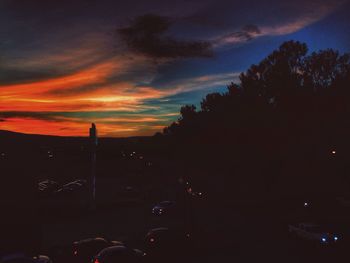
<point>290,91</point>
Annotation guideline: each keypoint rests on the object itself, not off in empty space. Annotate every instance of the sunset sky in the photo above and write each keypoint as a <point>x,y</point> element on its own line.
<point>129,65</point>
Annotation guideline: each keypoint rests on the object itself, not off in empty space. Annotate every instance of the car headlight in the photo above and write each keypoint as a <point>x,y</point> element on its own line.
<point>335,238</point>
<point>323,239</point>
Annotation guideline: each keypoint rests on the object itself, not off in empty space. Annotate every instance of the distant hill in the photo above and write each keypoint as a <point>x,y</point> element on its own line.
<point>16,135</point>
<point>12,134</point>
<point>21,141</point>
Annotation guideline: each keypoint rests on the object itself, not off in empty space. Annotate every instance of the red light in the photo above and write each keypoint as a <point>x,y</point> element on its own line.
<point>96,261</point>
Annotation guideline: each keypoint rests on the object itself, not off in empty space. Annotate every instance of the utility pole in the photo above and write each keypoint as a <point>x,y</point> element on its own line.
<point>93,146</point>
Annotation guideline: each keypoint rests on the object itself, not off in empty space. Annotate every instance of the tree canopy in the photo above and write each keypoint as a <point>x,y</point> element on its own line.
<point>289,89</point>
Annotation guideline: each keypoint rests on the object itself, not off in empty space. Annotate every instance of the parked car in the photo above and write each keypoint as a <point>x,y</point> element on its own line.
<point>48,184</point>
<point>81,182</point>
<point>22,258</point>
<point>85,250</point>
<point>314,232</point>
<point>71,187</point>
<point>119,254</point>
<point>164,207</point>
<point>48,187</point>
<point>165,242</point>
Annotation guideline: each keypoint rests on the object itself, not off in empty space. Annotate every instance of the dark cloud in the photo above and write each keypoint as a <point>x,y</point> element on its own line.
<point>46,116</point>
<point>247,33</point>
<point>146,35</point>
<point>15,76</point>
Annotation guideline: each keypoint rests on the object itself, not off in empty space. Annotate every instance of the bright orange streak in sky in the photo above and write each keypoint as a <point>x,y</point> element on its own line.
<point>95,75</point>
<point>68,94</point>
<point>86,90</point>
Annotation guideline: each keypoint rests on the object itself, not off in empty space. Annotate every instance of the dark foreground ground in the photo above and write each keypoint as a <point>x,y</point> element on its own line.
<point>223,224</point>
<point>245,233</point>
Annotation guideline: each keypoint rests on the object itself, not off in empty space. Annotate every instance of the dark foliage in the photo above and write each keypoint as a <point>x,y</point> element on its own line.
<point>283,119</point>
<point>286,83</point>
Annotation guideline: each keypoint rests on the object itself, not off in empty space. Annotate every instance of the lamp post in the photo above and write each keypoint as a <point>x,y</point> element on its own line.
<point>93,146</point>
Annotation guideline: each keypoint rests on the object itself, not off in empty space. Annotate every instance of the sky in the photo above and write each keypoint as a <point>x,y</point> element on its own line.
<point>129,66</point>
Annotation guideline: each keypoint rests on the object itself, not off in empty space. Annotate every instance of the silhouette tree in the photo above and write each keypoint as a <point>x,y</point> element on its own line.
<point>278,74</point>
<point>284,85</point>
<point>212,102</point>
<point>288,108</point>
<point>321,69</point>
<point>188,113</point>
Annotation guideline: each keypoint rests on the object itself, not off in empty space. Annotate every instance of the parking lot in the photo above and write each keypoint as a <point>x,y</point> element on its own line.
<point>221,226</point>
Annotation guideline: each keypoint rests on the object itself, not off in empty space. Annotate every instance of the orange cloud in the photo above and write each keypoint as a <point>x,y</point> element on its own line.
<point>33,90</point>
<point>84,91</point>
